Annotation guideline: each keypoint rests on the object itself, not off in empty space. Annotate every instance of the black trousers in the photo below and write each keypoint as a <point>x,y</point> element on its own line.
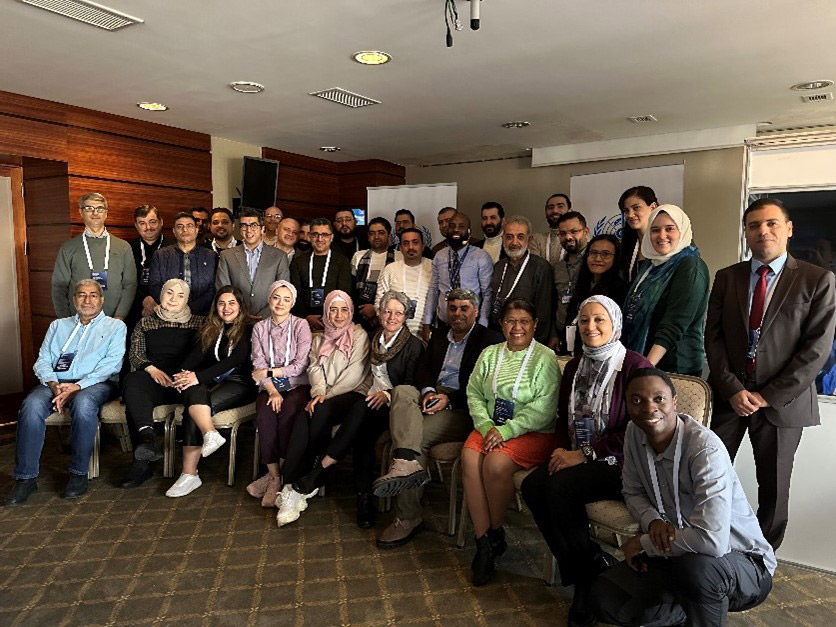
<point>141,394</point>
<point>558,503</point>
<point>225,395</point>
<point>311,435</point>
<point>375,422</point>
<point>774,450</point>
<point>693,589</point>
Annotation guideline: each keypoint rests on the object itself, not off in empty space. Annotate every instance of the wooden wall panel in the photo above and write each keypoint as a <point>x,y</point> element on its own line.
<point>40,287</point>
<point>140,129</point>
<point>126,233</point>
<point>44,242</point>
<point>47,201</point>
<point>30,138</point>
<point>353,186</point>
<point>42,168</point>
<point>33,108</point>
<point>300,161</point>
<point>308,186</point>
<point>372,166</point>
<point>100,155</point>
<point>40,324</point>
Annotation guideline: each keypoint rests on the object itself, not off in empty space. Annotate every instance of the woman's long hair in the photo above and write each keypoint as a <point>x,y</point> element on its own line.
<point>583,288</point>
<point>215,325</point>
<point>629,237</point>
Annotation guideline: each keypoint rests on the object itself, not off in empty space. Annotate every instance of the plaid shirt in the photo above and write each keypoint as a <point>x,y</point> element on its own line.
<point>138,355</point>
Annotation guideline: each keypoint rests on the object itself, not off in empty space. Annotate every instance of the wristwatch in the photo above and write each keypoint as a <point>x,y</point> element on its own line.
<point>588,452</point>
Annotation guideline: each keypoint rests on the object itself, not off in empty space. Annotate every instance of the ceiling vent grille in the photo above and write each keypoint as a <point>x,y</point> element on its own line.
<point>87,12</point>
<point>642,119</point>
<point>345,97</point>
<point>818,97</point>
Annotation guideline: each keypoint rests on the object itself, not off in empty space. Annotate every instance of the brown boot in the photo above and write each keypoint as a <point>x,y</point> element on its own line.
<point>399,533</point>
<point>403,475</point>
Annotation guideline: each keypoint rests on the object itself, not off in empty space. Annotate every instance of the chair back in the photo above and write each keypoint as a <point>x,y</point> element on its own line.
<point>562,360</point>
<point>693,397</point>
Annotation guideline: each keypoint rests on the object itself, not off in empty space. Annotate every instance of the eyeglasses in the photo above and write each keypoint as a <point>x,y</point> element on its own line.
<point>523,322</point>
<point>394,314</point>
<point>250,227</point>
<point>570,232</point>
<point>601,254</point>
<point>344,221</point>
<point>273,217</point>
<point>319,235</point>
<point>89,209</point>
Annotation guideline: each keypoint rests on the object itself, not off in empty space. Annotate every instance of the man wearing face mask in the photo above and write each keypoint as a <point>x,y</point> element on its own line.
<point>493,217</point>
<point>547,245</point>
<point>458,265</point>
<point>522,274</point>
<point>574,235</point>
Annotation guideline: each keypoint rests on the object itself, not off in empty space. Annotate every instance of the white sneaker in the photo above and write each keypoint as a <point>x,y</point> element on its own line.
<point>186,484</point>
<point>292,505</point>
<point>212,441</point>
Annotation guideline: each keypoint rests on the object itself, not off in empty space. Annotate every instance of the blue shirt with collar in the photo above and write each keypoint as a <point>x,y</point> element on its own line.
<point>253,257</point>
<point>98,352</point>
<point>775,267</point>
<point>476,274</point>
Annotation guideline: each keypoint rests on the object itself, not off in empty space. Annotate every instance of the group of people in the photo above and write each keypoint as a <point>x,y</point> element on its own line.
<point>339,337</point>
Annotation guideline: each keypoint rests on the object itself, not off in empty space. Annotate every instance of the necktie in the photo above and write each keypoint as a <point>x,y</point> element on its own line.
<point>455,270</point>
<point>756,316</point>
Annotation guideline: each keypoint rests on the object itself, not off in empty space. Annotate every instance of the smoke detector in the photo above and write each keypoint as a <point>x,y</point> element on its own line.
<point>345,97</point>
<point>88,12</point>
<point>643,119</point>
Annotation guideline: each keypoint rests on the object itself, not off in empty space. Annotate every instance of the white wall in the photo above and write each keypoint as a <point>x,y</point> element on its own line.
<point>227,168</point>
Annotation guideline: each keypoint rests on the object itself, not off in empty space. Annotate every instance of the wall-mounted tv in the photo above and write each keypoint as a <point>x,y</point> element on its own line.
<point>260,183</point>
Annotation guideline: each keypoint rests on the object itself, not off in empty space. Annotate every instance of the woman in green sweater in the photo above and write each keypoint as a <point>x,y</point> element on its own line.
<point>512,398</point>
<point>664,313</point>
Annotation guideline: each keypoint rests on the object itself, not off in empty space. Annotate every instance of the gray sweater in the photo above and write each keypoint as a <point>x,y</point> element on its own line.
<point>71,266</point>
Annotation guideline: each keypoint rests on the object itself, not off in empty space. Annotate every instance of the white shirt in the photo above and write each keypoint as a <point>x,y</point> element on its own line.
<point>414,281</point>
<point>493,246</point>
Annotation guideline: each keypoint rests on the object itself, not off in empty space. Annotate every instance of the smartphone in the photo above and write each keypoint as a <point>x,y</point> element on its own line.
<point>433,403</point>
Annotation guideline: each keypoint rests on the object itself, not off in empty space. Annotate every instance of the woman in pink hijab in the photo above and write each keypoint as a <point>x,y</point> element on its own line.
<point>340,375</point>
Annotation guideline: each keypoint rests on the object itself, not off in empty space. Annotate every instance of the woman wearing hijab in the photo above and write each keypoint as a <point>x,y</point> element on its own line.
<point>512,398</point>
<point>159,344</point>
<point>636,204</point>
<point>586,465</point>
<point>340,377</point>
<point>281,348</point>
<point>664,312</point>
<point>215,376</point>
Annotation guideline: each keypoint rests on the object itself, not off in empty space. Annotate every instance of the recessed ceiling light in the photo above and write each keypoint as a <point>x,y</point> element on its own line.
<point>330,148</point>
<point>247,87</point>
<point>152,106</point>
<point>811,85</point>
<point>765,123</point>
<point>372,57</point>
<point>516,124</point>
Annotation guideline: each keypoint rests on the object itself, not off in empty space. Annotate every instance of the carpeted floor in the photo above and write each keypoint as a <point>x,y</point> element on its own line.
<point>120,557</point>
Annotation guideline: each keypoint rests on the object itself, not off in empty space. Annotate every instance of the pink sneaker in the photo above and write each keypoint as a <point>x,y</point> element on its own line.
<point>257,488</point>
<point>271,492</point>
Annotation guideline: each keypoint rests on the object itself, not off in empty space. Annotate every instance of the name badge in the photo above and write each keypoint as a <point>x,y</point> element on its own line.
<point>145,276</point>
<point>413,307</point>
<point>369,292</point>
<point>584,430</point>
<point>282,383</point>
<point>496,307</point>
<point>317,296</point>
<point>100,278</point>
<point>503,411</point>
<point>223,376</point>
<point>566,297</point>
<point>65,360</point>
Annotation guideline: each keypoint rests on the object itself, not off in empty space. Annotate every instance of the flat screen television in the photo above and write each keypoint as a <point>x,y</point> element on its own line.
<point>260,183</point>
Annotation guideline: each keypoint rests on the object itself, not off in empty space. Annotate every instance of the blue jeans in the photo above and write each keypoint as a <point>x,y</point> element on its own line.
<point>31,427</point>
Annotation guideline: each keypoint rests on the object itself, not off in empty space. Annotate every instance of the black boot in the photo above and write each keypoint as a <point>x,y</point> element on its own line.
<point>314,480</point>
<point>76,487</point>
<point>146,448</point>
<point>483,561</point>
<point>581,613</point>
<point>22,491</point>
<point>498,543</point>
<point>365,510</point>
<point>138,473</point>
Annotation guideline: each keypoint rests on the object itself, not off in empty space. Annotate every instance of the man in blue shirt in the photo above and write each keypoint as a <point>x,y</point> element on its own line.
<point>77,366</point>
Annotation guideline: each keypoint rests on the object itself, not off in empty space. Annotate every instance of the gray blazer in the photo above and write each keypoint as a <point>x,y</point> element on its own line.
<point>232,270</point>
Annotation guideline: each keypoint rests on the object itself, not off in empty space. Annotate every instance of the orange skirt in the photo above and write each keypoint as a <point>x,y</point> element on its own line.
<point>528,450</point>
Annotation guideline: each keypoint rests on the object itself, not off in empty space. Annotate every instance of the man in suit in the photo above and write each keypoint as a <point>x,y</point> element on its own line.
<point>768,332</point>
<point>253,267</point>
<point>431,412</point>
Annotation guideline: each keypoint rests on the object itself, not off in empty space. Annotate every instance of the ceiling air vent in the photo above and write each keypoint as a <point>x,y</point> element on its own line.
<point>642,119</point>
<point>87,12</point>
<point>817,97</point>
<point>345,97</point>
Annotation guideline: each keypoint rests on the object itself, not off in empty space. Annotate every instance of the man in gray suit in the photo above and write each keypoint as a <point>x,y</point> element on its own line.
<point>253,266</point>
<point>768,332</point>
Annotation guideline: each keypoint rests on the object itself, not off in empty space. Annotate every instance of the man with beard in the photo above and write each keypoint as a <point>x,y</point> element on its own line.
<point>288,237</point>
<point>303,243</point>
<point>493,217</point>
<point>522,275</point>
<point>443,219</point>
<point>220,226</point>
<point>405,219</point>
<point>458,265</point>
<point>410,275</point>
<point>547,245</point>
<point>573,234</point>
<point>346,238</point>
<point>201,219</point>
<point>149,225</point>
<point>366,266</point>
<point>272,217</point>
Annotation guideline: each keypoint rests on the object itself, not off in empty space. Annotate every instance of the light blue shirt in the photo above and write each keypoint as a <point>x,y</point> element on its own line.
<point>449,375</point>
<point>253,257</point>
<point>98,351</point>
<point>775,268</point>
<point>476,274</point>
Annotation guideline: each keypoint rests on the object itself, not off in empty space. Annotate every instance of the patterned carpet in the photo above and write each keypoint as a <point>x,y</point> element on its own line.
<point>122,557</point>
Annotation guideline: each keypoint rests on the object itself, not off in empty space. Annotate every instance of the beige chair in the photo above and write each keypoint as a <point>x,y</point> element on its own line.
<point>231,419</point>
<point>64,419</point>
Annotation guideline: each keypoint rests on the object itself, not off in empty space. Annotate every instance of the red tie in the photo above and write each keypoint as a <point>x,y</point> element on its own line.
<point>756,312</point>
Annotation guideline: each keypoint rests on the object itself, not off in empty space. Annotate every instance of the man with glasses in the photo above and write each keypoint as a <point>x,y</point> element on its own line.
<point>272,217</point>
<point>347,240</point>
<point>201,220</point>
<point>187,261</point>
<point>574,235</point>
<point>547,245</point>
<point>220,226</point>
<point>97,255</point>
<point>253,267</point>
<point>317,272</point>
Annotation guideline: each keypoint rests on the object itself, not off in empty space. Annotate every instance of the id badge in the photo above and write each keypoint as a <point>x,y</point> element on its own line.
<point>145,276</point>
<point>413,307</point>
<point>369,292</point>
<point>752,350</point>
<point>282,383</point>
<point>65,360</point>
<point>503,411</point>
<point>317,296</point>
<point>584,429</point>
<point>100,278</point>
<point>223,376</point>
<point>566,297</point>
<point>496,307</point>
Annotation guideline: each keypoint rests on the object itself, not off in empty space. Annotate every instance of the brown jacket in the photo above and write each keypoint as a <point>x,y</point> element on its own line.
<point>796,338</point>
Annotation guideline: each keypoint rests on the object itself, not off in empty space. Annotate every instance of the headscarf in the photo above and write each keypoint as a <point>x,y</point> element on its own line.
<point>286,284</point>
<point>595,377</point>
<point>182,315</point>
<point>333,338</point>
<point>682,222</point>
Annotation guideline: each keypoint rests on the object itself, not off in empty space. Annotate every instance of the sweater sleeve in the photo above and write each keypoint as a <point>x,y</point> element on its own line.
<point>479,395</point>
<point>564,393</point>
<point>540,411</point>
<point>138,355</point>
<point>432,295</point>
<point>686,290</point>
<point>315,374</point>
<point>299,360</point>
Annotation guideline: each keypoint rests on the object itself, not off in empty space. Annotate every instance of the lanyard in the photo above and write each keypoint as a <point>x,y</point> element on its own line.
<point>142,249</point>
<point>87,252</point>
<point>218,346</point>
<point>72,335</point>
<point>420,278</point>
<point>519,375</point>
<point>549,247</point>
<point>633,260</point>
<point>286,348</point>
<point>324,273</point>
<point>516,280</point>
<point>461,261</point>
<point>642,278</point>
<point>651,465</point>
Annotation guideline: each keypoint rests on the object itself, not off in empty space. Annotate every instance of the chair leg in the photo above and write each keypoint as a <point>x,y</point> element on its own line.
<point>519,500</point>
<point>93,468</point>
<point>551,569</point>
<point>439,471</point>
<point>454,492</point>
<point>233,447</point>
<point>256,454</point>
<point>463,517</point>
<point>169,437</point>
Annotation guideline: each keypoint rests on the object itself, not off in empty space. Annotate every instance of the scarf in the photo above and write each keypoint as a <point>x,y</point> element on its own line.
<point>683,223</point>
<point>364,266</point>
<point>334,339</point>
<point>286,284</point>
<point>380,355</point>
<point>182,315</point>
<point>595,377</point>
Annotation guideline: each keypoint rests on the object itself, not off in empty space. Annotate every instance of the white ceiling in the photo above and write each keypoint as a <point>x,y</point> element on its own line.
<point>574,69</point>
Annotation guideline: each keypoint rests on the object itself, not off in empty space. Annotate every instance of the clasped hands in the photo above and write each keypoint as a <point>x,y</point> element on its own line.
<point>746,403</point>
<point>661,534</point>
<point>62,393</point>
<point>182,380</point>
<point>562,459</point>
